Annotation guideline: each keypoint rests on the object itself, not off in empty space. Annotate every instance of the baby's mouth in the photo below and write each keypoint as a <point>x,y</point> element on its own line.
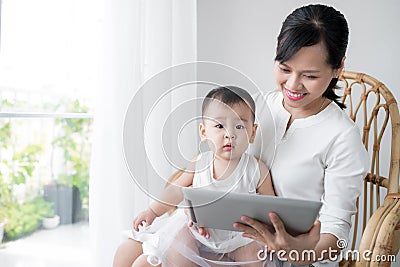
<point>228,147</point>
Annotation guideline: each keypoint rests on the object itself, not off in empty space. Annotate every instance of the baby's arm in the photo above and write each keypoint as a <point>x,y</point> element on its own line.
<point>147,216</point>
<point>265,186</point>
<point>172,194</point>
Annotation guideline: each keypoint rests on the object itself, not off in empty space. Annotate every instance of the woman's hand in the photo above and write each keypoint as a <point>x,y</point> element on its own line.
<point>280,240</point>
<point>202,231</point>
<point>147,216</point>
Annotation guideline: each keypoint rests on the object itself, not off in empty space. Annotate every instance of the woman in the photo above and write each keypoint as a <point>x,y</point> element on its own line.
<point>318,150</point>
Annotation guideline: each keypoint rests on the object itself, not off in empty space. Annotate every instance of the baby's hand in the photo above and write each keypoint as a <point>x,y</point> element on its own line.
<point>202,230</point>
<point>147,216</point>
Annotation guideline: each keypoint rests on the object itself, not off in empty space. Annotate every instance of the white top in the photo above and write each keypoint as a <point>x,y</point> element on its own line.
<point>244,179</point>
<point>320,157</point>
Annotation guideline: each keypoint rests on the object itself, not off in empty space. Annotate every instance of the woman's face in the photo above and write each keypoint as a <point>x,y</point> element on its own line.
<point>304,78</point>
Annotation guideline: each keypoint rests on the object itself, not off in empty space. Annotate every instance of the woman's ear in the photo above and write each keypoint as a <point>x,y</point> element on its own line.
<point>341,68</point>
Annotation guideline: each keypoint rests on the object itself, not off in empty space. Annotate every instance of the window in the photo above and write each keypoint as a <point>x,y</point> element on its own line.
<point>47,68</point>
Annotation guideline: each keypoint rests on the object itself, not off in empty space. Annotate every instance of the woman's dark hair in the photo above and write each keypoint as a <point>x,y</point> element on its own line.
<point>310,25</point>
<point>229,95</point>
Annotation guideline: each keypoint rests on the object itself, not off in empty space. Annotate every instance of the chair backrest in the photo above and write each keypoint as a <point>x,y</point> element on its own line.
<point>372,106</point>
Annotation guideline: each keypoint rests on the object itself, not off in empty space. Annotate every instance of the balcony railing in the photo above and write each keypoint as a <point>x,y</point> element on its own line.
<point>44,168</point>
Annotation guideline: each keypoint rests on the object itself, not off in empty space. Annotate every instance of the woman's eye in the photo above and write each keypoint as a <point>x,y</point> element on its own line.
<point>285,70</point>
<point>239,127</point>
<point>220,126</point>
<point>310,77</point>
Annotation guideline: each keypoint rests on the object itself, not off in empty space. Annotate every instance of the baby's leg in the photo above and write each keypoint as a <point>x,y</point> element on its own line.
<point>127,253</point>
<point>248,252</point>
<point>141,261</point>
<point>186,241</point>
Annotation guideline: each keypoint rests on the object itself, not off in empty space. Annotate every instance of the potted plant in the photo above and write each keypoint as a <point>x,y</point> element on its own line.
<point>66,201</point>
<point>50,220</point>
<point>70,190</point>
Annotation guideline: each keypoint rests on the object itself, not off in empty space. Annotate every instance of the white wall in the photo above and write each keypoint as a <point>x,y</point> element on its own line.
<point>242,34</point>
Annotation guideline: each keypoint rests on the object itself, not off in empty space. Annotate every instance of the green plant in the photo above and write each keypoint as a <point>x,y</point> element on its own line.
<point>5,134</point>
<point>17,167</point>
<point>25,163</point>
<point>5,188</point>
<point>26,217</point>
<point>73,139</point>
<point>23,212</point>
<point>5,197</point>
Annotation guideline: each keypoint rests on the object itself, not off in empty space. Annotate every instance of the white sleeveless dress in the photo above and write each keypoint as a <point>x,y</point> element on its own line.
<point>160,236</point>
<point>244,179</point>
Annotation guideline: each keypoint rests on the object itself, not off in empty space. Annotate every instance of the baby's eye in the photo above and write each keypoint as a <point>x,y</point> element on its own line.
<point>239,126</point>
<point>220,126</point>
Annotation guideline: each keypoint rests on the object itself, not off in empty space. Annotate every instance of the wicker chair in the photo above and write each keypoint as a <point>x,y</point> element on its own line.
<point>372,106</point>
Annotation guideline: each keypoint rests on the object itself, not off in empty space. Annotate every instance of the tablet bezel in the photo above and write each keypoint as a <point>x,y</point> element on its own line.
<point>219,210</point>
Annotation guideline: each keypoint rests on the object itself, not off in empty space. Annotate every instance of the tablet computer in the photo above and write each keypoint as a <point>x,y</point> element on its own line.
<point>219,210</point>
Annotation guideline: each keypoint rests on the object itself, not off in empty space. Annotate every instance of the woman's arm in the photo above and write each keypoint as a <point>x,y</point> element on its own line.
<point>346,165</point>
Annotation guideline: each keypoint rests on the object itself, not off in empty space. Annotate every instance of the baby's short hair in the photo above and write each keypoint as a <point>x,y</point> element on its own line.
<point>229,95</point>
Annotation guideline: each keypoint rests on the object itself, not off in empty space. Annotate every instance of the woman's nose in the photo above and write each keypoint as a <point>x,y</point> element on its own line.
<point>293,83</point>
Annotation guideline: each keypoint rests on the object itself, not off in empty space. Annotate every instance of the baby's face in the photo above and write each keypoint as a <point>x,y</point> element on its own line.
<point>228,129</point>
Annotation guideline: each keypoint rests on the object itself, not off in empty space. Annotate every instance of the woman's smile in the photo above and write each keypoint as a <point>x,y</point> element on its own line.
<point>293,96</point>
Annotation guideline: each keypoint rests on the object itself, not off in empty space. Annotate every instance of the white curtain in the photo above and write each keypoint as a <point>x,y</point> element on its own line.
<point>140,39</point>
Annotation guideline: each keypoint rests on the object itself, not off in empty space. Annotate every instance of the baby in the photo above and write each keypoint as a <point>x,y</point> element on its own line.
<point>228,126</point>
